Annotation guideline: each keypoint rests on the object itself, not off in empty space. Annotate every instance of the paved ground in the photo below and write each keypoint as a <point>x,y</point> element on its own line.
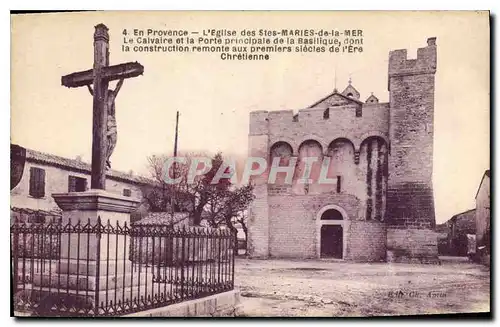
<point>330,288</point>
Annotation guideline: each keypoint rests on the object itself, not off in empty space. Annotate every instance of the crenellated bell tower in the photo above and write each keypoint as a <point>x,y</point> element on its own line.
<point>410,201</point>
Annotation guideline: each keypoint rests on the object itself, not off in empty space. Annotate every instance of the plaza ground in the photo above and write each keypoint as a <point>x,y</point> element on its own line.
<point>336,288</point>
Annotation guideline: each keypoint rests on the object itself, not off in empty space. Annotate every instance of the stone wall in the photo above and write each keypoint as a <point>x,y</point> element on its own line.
<point>293,222</point>
<point>410,201</point>
<point>483,219</point>
<point>311,124</point>
<point>258,224</point>
<point>412,245</point>
<point>381,151</point>
<point>366,241</point>
<point>258,216</point>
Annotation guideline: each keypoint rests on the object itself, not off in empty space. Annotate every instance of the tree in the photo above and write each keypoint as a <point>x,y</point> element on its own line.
<point>216,203</point>
<point>242,219</point>
<point>229,207</point>
<point>237,212</point>
<point>158,196</point>
<point>223,205</point>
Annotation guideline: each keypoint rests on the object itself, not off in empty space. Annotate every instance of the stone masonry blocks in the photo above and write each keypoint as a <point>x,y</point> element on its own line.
<point>283,219</point>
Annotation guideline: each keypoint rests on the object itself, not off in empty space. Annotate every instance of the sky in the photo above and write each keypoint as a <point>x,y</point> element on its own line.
<point>214,97</point>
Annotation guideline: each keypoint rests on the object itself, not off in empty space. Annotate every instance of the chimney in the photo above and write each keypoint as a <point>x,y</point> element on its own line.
<point>131,172</point>
<point>79,158</point>
<point>431,41</point>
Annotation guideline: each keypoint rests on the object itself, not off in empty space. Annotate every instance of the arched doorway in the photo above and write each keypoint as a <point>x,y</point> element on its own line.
<point>331,242</point>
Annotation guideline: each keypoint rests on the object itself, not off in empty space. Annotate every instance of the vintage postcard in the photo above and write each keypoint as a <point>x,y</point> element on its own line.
<point>250,164</point>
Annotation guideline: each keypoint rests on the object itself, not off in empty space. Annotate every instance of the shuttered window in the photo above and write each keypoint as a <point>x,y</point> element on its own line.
<point>77,184</point>
<point>37,182</point>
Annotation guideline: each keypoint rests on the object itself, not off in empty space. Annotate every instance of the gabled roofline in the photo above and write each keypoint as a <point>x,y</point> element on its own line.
<point>372,96</point>
<point>461,213</point>
<point>82,167</point>
<point>486,173</point>
<point>458,214</point>
<point>335,92</point>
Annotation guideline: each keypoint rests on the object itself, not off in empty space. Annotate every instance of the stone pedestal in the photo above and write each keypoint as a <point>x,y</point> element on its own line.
<point>94,263</point>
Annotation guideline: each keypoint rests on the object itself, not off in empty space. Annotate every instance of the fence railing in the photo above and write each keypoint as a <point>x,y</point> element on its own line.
<point>100,269</point>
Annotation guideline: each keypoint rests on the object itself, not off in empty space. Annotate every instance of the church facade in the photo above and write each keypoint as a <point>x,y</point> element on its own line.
<point>380,205</point>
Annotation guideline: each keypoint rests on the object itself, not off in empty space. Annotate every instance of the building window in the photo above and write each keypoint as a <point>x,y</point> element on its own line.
<point>77,184</point>
<point>37,182</point>
<point>127,192</point>
<point>339,184</point>
<point>359,112</point>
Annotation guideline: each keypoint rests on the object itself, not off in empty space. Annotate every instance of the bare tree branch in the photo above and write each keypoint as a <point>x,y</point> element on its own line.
<point>215,203</point>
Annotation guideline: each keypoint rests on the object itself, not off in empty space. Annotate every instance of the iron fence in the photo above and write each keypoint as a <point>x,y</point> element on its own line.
<point>96,269</point>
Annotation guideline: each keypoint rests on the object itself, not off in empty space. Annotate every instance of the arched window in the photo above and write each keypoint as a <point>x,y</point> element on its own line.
<point>311,149</point>
<point>341,146</point>
<point>284,152</point>
<point>281,149</point>
<point>332,214</point>
<point>341,167</point>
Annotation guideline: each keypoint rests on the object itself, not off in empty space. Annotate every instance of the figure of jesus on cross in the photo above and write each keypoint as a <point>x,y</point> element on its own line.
<point>104,131</point>
<point>111,130</point>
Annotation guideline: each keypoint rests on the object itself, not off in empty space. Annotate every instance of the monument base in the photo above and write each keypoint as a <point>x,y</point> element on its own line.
<point>93,282</point>
<point>70,301</point>
<point>94,271</point>
<point>89,204</point>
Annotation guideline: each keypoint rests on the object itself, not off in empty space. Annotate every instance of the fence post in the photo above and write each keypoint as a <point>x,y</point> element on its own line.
<point>235,248</point>
<point>183,242</point>
<point>98,265</point>
<point>14,249</point>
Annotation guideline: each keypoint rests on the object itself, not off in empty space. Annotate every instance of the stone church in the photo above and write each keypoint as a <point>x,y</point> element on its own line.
<point>379,155</point>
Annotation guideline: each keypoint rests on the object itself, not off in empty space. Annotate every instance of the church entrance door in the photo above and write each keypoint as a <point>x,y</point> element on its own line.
<point>331,241</point>
<point>331,233</point>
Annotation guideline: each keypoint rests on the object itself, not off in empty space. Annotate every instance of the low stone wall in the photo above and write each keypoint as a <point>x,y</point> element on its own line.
<point>166,251</point>
<point>227,304</point>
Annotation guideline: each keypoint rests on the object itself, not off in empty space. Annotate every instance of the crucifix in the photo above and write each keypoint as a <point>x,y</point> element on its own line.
<point>103,117</point>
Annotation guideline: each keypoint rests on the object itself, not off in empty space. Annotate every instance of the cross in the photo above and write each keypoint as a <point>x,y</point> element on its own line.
<point>100,76</point>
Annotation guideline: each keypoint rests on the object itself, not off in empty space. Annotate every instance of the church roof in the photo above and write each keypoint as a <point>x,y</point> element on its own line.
<point>333,94</point>
<point>351,92</point>
<point>372,99</point>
